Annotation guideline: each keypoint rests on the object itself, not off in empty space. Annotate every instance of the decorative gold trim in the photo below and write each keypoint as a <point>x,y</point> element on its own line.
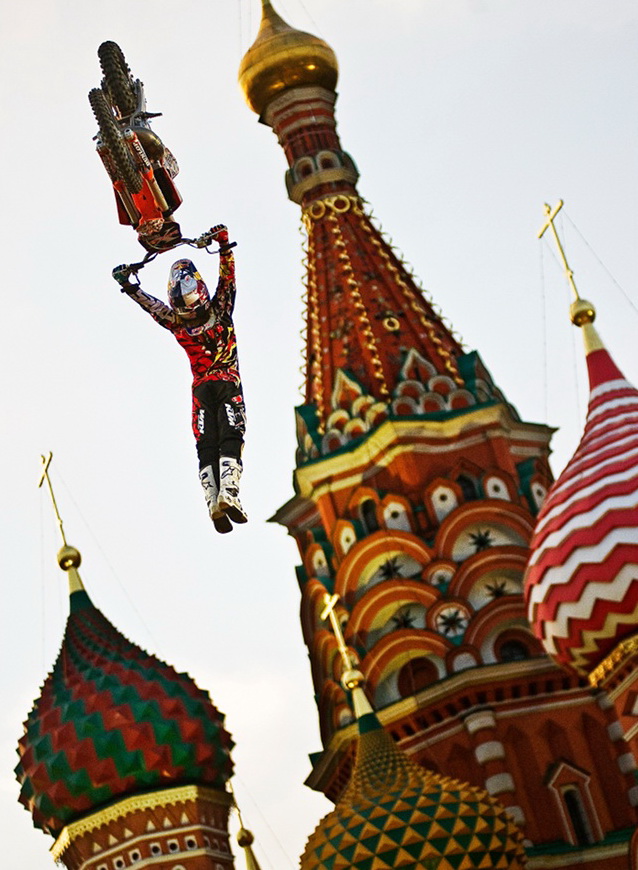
<point>125,807</point>
<point>446,357</point>
<point>378,449</point>
<point>338,203</point>
<point>338,207</point>
<point>617,657</point>
<point>322,176</point>
<point>314,372</point>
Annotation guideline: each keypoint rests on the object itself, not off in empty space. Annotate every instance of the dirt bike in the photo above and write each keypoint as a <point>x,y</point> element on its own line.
<point>140,166</point>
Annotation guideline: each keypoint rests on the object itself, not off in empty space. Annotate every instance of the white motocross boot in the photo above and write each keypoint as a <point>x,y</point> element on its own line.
<point>219,518</point>
<point>228,498</point>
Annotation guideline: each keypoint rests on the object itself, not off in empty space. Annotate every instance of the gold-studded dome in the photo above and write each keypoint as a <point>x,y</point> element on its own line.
<point>396,814</point>
<point>281,58</point>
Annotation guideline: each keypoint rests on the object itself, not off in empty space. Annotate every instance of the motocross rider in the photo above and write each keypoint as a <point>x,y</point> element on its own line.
<point>204,328</point>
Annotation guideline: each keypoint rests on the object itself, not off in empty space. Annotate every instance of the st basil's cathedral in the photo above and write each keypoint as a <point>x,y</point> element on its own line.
<point>470,624</point>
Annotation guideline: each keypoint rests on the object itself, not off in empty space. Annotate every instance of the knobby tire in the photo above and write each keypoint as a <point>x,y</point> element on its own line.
<point>117,79</point>
<point>112,138</point>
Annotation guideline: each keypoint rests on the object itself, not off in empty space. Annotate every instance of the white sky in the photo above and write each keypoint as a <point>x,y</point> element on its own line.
<point>464,116</point>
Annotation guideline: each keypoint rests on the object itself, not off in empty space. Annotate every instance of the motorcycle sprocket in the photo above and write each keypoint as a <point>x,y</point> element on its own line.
<point>117,78</point>
<point>112,137</point>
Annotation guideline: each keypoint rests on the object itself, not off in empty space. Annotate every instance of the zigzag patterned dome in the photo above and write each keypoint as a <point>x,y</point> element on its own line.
<point>113,720</point>
<point>582,578</point>
<point>395,814</point>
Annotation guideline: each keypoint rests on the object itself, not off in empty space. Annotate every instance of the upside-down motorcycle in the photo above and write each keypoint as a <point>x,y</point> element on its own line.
<point>140,166</point>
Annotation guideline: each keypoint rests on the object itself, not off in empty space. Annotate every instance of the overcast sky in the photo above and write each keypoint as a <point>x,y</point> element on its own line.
<point>464,117</point>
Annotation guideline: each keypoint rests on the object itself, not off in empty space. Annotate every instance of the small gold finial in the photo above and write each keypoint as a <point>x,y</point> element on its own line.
<point>69,558</point>
<point>581,312</point>
<point>245,838</point>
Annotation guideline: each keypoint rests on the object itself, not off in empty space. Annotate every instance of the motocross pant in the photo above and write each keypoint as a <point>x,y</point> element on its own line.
<point>219,422</point>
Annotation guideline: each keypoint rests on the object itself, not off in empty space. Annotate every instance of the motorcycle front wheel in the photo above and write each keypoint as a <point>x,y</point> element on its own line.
<point>117,78</point>
<point>112,137</point>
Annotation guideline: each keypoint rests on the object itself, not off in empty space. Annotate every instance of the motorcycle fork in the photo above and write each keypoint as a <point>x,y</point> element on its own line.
<point>144,165</point>
<point>120,188</point>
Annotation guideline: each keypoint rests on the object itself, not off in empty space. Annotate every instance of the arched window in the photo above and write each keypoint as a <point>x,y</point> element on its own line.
<point>416,675</point>
<point>513,651</point>
<point>578,817</point>
<point>468,487</point>
<point>368,513</point>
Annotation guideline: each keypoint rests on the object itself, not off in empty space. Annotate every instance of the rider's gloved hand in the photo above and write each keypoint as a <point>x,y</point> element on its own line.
<point>122,274</point>
<point>220,234</point>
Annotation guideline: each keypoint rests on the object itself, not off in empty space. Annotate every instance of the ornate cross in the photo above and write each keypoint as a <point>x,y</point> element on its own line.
<point>330,602</point>
<point>549,225</point>
<point>46,462</point>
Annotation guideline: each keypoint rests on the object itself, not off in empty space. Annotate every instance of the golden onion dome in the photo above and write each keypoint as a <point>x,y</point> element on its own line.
<point>281,58</point>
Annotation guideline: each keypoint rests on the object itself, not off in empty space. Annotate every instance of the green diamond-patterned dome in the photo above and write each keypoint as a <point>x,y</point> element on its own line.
<point>395,814</point>
<point>113,720</point>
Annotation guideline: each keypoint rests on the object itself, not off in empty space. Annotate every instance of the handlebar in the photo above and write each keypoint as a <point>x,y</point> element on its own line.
<point>202,241</point>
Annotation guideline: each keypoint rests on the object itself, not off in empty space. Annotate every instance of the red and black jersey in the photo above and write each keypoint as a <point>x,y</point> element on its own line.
<point>212,347</point>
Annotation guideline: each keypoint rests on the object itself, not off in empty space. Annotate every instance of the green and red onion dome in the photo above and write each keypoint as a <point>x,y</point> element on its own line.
<point>582,577</point>
<point>395,814</point>
<point>112,721</point>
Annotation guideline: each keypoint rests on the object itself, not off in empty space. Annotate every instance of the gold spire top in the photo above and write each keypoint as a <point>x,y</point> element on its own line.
<point>69,558</point>
<point>352,679</point>
<point>281,58</point>
<point>245,837</point>
<point>581,311</point>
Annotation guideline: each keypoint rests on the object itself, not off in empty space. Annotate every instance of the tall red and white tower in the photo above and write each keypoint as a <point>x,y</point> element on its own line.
<point>416,491</point>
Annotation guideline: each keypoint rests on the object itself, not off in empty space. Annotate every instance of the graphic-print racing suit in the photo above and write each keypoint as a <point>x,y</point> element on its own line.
<point>219,415</point>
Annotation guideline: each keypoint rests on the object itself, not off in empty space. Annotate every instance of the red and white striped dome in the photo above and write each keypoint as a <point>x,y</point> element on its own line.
<point>582,577</point>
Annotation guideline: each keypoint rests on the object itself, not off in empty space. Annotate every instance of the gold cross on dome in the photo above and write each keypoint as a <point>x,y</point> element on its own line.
<point>46,462</point>
<point>549,225</point>
<point>330,602</point>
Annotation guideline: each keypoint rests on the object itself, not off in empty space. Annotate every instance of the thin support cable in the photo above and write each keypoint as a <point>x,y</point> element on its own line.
<point>545,337</point>
<point>42,588</point>
<point>575,371</point>
<point>267,824</point>
<point>109,565</point>
<point>312,20</point>
<point>603,266</point>
<point>240,28</point>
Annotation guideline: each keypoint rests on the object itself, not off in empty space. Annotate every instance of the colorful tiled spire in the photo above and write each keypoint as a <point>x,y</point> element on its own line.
<point>111,721</point>
<point>582,577</point>
<point>375,345</point>
<point>394,813</point>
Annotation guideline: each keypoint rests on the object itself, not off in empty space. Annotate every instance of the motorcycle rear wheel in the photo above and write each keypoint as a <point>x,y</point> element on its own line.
<point>112,138</point>
<point>117,79</point>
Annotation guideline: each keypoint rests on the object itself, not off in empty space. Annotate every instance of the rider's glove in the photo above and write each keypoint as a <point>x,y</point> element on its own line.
<point>121,275</point>
<point>220,233</point>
